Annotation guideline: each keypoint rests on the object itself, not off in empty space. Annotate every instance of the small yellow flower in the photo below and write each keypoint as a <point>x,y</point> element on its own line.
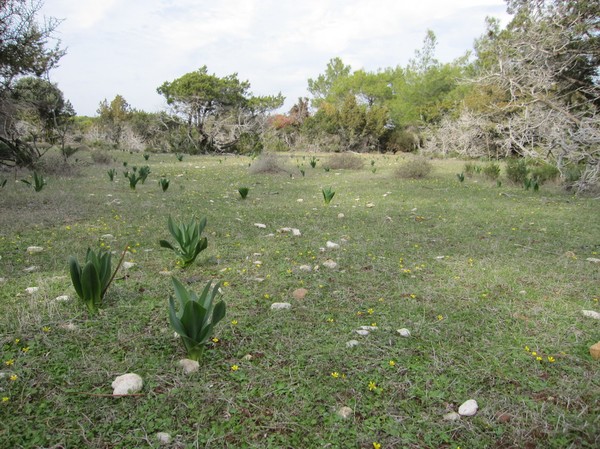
<point>68,228</point>
<point>534,353</point>
<point>9,362</point>
<point>5,399</point>
<point>267,296</point>
<point>13,377</point>
<point>330,320</point>
<point>46,329</point>
<point>376,445</point>
<point>234,322</point>
<point>440,317</point>
<point>527,348</point>
<point>234,367</point>
<point>370,311</point>
<point>225,284</point>
<point>335,374</point>
<point>392,363</point>
<point>539,359</point>
<point>374,324</point>
<point>372,386</point>
<point>551,359</point>
<point>25,349</point>
<point>17,340</point>
<point>215,340</point>
<point>413,296</point>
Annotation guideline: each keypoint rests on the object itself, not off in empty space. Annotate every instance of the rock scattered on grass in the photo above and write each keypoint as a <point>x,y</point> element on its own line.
<point>451,416</point>
<point>128,265</point>
<point>163,437</point>
<point>34,249</point>
<point>306,268</point>
<point>107,237</point>
<point>189,366</point>
<point>31,269</point>
<point>330,264</point>
<point>593,260</point>
<point>332,245</point>
<point>595,351</point>
<point>340,215</point>
<point>299,293</point>
<point>129,383</point>
<point>260,225</point>
<point>62,298</point>
<point>352,343</point>
<point>369,328</point>
<point>362,332</point>
<point>69,326</point>
<point>280,306</point>
<point>468,408</point>
<point>404,332</point>
<point>591,314</point>
<point>345,412</point>
<point>32,290</point>
<point>369,205</point>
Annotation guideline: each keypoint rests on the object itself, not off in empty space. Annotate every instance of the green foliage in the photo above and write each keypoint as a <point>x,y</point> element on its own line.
<point>517,170</point>
<point>544,172</point>
<point>313,161</point>
<point>113,118</point>
<point>38,182</point>
<point>188,238</point>
<point>491,171</point>
<point>134,177</point>
<point>461,177</point>
<point>111,174</point>
<point>93,279</point>
<point>164,184</point>
<point>328,194</point>
<point>531,183</point>
<point>416,168</point>
<point>243,191</point>
<point>179,156</point>
<point>470,169</point>
<point>195,317</point>
<point>143,173</point>
<point>146,156</point>
<point>3,183</point>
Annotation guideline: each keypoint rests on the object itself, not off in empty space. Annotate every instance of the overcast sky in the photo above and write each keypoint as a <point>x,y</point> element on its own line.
<point>130,47</point>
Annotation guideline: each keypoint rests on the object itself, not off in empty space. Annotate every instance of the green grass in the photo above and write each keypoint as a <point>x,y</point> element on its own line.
<point>513,274</point>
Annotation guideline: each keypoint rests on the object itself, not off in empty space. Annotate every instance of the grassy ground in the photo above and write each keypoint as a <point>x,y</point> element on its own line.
<point>486,278</point>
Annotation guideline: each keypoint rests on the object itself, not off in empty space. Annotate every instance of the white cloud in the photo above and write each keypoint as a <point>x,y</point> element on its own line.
<point>130,47</point>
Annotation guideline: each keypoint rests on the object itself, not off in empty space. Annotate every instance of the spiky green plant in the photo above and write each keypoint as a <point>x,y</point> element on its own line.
<point>164,184</point>
<point>3,183</point>
<point>460,176</point>
<point>243,191</point>
<point>328,194</point>
<point>143,173</point>
<point>146,156</point>
<point>188,238</point>
<point>91,281</point>
<point>179,156</point>
<point>313,162</point>
<point>195,316</point>
<point>111,174</point>
<point>38,182</point>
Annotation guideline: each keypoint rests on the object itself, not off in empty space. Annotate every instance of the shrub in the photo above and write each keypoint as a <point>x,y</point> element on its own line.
<point>345,161</point>
<point>416,168</point>
<point>491,171</point>
<point>516,170</point>
<point>101,157</point>
<point>267,163</point>
<point>471,168</point>
<point>544,172</point>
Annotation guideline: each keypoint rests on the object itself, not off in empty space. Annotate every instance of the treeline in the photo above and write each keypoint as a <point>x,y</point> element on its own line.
<point>529,90</point>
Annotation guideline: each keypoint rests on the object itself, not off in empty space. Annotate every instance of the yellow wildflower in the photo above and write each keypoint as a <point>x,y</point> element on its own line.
<point>372,386</point>
<point>234,367</point>
<point>392,363</point>
<point>335,374</point>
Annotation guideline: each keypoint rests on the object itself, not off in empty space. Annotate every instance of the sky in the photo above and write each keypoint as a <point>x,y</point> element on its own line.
<point>130,47</point>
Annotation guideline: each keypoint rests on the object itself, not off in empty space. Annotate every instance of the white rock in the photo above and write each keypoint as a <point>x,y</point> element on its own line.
<point>129,383</point>
<point>34,249</point>
<point>352,343</point>
<point>593,260</point>
<point>306,268</point>
<point>300,200</point>
<point>468,408</point>
<point>69,326</point>
<point>163,437</point>
<point>345,412</point>
<point>62,298</point>
<point>362,332</point>
<point>280,305</point>
<point>591,314</point>
<point>128,265</point>
<point>31,269</point>
<point>369,328</point>
<point>451,416</point>
<point>260,225</point>
<point>340,215</point>
<point>440,257</point>
<point>32,290</point>
<point>296,232</point>
<point>107,237</point>
<point>257,263</point>
<point>189,366</point>
<point>332,245</point>
<point>369,205</point>
<point>404,332</point>
<point>2,280</point>
<point>330,264</point>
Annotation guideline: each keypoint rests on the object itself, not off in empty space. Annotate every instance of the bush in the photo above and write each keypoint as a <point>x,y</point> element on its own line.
<point>544,172</point>
<point>417,168</point>
<point>471,168</point>
<point>101,157</point>
<point>516,170</point>
<point>491,171</point>
<point>267,163</point>
<point>345,161</point>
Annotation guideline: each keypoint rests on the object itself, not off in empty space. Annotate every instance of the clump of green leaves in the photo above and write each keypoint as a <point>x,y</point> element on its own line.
<point>3,183</point>
<point>143,173</point>
<point>243,191</point>
<point>164,184</point>
<point>38,182</point>
<point>188,238</point>
<point>146,156</point>
<point>531,183</point>
<point>91,281</point>
<point>111,174</point>
<point>328,194</point>
<point>195,317</point>
<point>461,177</point>
<point>491,171</point>
<point>313,162</point>
<point>179,156</point>
<point>471,169</point>
<point>517,170</point>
